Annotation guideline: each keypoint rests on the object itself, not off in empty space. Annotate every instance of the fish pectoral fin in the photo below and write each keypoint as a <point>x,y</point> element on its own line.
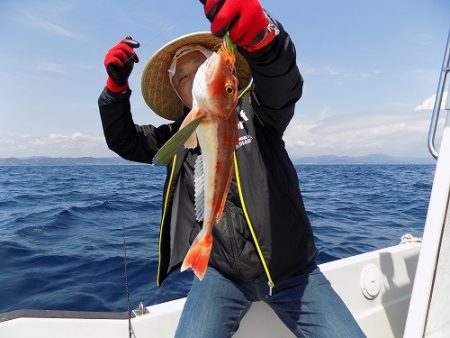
<point>190,122</point>
<point>171,147</point>
<point>191,142</point>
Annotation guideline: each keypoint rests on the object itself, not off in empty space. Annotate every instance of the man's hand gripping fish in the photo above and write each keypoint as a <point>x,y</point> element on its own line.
<point>213,121</point>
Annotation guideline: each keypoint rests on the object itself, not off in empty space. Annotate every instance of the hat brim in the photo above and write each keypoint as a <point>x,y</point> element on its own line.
<point>156,89</point>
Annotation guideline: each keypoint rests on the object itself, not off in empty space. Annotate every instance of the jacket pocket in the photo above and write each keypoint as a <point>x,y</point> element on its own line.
<point>234,252</point>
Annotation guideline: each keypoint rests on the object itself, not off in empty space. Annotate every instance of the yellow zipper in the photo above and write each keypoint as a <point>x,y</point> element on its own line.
<point>247,218</point>
<point>164,217</point>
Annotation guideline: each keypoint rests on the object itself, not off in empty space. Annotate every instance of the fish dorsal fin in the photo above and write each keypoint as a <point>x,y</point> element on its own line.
<point>171,147</point>
<point>199,181</point>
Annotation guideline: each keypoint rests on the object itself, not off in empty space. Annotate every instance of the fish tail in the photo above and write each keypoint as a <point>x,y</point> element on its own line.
<point>197,257</point>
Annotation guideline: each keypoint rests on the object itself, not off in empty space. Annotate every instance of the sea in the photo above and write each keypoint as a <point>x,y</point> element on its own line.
<point>67,231</point>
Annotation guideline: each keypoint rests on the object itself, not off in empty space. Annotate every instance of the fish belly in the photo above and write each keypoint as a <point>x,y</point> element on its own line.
<point>217,151</point>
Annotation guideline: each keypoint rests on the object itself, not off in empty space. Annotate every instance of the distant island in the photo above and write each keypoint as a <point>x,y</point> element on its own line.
<point>323,159</point>
<point>61,161</point>
<point>366,159</point>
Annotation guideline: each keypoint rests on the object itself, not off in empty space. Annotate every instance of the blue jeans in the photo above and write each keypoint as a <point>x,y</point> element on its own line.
<point>306,303</point>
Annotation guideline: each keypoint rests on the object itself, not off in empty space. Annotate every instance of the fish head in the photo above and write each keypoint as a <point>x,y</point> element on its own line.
<point>215,87</point>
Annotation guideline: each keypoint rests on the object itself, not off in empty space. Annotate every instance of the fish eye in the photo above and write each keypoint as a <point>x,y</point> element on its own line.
<point>229,89</point>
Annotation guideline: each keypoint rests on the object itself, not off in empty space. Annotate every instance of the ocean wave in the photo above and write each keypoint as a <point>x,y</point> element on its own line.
<point>13,250</point>
<point>9,204</point>
<point>62,228</point>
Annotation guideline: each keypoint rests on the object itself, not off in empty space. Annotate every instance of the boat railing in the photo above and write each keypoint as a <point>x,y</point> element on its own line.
<point>437,103</point>
<point>428,308</point>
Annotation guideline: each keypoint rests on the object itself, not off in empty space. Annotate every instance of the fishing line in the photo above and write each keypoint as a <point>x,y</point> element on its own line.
<point>130,329</point>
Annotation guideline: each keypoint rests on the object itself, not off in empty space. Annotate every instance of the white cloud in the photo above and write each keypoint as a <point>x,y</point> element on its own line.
<point>428,104</point>
<point>54,144</point>
<point>395,133</point>
<point>51,27</point>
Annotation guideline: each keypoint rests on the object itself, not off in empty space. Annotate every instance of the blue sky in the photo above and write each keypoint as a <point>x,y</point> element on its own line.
<point>370,69</point>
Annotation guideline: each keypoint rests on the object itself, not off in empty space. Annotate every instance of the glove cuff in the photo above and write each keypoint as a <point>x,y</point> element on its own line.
<point>271,32</point>
<point>112,86</point>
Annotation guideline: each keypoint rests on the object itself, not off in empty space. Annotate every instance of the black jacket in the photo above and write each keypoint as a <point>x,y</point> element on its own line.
<point>264,229</point>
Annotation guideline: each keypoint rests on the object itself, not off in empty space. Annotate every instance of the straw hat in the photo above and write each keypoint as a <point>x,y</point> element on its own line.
<point>157,91</point>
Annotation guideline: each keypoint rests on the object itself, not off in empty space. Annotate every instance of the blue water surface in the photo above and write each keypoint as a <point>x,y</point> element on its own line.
<point>61,239</point>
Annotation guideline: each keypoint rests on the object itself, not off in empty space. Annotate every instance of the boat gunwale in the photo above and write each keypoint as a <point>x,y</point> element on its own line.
<point>37,313</point>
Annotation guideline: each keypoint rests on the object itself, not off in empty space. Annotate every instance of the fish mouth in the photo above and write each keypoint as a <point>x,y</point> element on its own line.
<point>211,65</point>
<point>214,64</point>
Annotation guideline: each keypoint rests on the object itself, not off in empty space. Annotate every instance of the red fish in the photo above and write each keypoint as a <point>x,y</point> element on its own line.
<point>215,95</point>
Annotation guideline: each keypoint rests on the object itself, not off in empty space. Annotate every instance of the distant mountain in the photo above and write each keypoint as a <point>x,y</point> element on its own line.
<point>324,159</point>
<point>55,161</point>
<point>366,159</point>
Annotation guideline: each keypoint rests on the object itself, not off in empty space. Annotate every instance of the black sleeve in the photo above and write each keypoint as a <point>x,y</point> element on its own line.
<point>277,83</point>
<point>130,141</point>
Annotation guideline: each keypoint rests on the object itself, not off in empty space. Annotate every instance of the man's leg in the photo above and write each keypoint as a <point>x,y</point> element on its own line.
<point>310,307</point>
<point>214,308</point>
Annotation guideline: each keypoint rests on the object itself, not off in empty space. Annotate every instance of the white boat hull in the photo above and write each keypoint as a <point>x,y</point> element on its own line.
<point>384,316</point>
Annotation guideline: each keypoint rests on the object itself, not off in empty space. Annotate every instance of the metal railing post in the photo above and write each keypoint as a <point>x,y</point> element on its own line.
<point>437,103</point>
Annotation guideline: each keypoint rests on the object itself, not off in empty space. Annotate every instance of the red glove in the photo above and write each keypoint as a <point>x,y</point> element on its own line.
<point>245,20</point>
<point>119,62</point>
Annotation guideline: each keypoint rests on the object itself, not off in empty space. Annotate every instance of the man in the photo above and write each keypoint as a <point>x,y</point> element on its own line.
<point>263,247</point>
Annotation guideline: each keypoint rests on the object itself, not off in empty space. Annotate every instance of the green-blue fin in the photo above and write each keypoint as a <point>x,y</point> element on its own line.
<point>171,147</point>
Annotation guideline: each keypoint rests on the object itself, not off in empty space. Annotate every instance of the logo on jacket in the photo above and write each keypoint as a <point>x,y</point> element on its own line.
<point>242,119</point>
<point>244,138</point>
<point>243,116</point>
